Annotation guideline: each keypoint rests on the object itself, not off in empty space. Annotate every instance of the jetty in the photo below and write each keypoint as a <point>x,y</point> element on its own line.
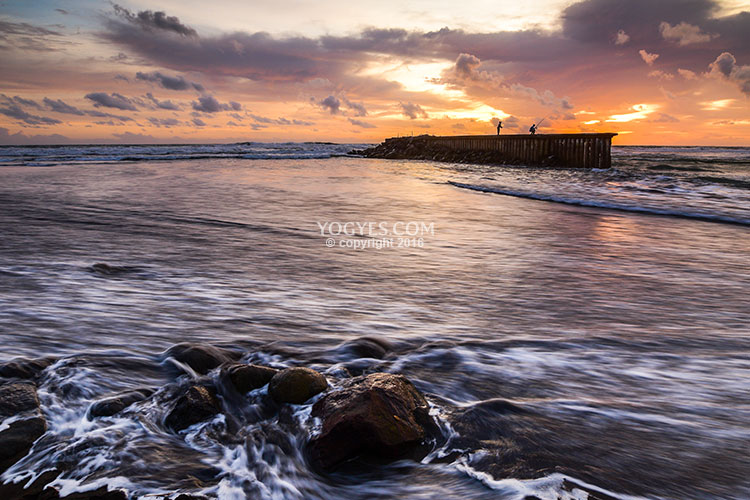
<point>553,150</point>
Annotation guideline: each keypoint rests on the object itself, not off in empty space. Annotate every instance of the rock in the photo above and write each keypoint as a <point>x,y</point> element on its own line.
<point>196,405</point>
<point>201,358</point>
<point>380,414</point>
<point>245,378</point>
<point>296,385</point>
<point>115,404</point>
<point>367,347</point>
<point>24,368</point>
<point>19,400</point>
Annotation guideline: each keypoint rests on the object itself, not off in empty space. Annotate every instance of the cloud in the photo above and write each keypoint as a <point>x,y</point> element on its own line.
<point>150,20</point>
<point>209,104</point>
<point>169,82</point>
<point>684,33</point>
<point>360,123</point>
<point>163,104</point>
<point>621,38</point>
<point>647,57</point>
<point>10,108</point>
<point>164,122</point>
<point>412,110</point>
<point>101,114</point>
<point>661,75</point>
<point>664,118</point>
<point>687,74</point>
<point>332,104</point>
<point>113,100</point>
<point>546,98</point>
<point>19,138</point>
<point>466,65</point>
<point>357,107</point>
<point>725,65</point>
<point>59,106</point>
<point>25,36</point>
<point>198,122</point>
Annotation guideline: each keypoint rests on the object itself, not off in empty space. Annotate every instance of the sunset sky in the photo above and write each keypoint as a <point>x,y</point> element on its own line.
<point>183,71</point>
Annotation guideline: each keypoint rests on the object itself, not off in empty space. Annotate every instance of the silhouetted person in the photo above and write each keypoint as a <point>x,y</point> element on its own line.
<point>532,129</point>
<point>499,126</point>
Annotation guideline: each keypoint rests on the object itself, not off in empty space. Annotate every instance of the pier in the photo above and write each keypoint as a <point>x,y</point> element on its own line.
<point>565,150</point>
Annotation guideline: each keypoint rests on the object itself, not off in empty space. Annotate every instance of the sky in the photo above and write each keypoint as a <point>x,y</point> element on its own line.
<point>657,72</point>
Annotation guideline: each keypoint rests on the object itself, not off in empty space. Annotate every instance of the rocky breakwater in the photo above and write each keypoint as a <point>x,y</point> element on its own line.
<point>421,147</point>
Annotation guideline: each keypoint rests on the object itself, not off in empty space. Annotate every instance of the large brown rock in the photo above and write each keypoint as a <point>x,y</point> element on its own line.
<point>245,378</point>
<point>296,385</point>
<point>197,404</point>
<point>19,400</point>
<point>201,358</point>
<point>381,415</point>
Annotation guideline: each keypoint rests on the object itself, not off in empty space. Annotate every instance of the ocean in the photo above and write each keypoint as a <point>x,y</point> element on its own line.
<point>578,333</point>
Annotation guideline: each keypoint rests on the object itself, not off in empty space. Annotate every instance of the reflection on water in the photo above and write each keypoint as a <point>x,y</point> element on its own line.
<point>556,341</point>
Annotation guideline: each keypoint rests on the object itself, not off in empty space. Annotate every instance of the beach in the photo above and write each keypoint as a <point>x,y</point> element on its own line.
<point>567,326</point>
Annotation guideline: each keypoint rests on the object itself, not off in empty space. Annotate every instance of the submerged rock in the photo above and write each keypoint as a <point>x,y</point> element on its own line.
<point>196,405</point>
<point>24,368</point>
<point>20,401</point>
<point>380,415</point>
<point>115,404</point>
<point>367,347</point>
<point>245,378</point>
<point>296,385</point>
<point>108,270</point>
<point>201,358</point>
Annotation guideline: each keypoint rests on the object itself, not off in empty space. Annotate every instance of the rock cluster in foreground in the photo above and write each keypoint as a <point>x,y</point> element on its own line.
<point>378,415</point>
<point>421,148</point>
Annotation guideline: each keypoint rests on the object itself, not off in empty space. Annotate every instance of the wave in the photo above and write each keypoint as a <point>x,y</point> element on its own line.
<point>604,204</point>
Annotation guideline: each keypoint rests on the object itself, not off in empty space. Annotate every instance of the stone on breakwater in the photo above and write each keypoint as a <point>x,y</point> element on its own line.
<point>196,405</point>
<point>380,414</point>
<point>296,385</point>
<point>201,358</point>
<point>19,400</point>
<point>245,378</point>
<point>115,404</point>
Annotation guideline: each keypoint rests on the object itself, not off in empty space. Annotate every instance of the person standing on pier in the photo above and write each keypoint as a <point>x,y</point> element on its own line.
<point>532,129</point>
<point>499,126</point>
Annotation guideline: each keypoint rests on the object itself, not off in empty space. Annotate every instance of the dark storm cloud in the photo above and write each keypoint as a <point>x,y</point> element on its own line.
<point>113,100</point>
<point>151,20</point>
<point>412,110</point>
<point>169,82</point>
<point>209,104</point>
<point>59,106</point>
<point>598,43</point>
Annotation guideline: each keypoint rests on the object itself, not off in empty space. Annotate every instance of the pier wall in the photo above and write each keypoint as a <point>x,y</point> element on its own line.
<point>569,150</point>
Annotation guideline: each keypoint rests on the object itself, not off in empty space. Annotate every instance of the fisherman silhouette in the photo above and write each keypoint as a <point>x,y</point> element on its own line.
<point>499,126</point>
<point>532,129</point>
